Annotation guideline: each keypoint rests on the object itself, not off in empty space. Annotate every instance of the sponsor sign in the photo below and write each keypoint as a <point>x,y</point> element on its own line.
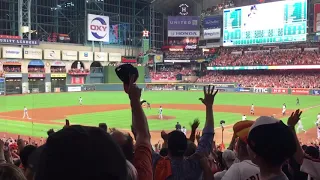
<point>85,56</point>
<point>100,56</point>
<point>211,33</point>
<point>212,22</point>
<point>58,63</point>
<point>183,23</point>
<point>114,57</point>
<point>260,90</point>
<point>74,89</point>
<point>301,91</point>
<point>18,41</point>
<point>11,62</point>
<point>70,55</point>
<point>12,52</point>
<point>36,63</point>
<point>36,75</point>
<point>183,33</point>
<point>279,91</point>
<point>191,47</point>
<point>128,60</point>
<point>316,23</point>
<point>52,54</point>
<point>316,91</point>
<point>13,75</point>
<point>158,58</point>
<point>243,89</point>
<point>98,28</point>
<point>60,75</point>
<point>32,53</point>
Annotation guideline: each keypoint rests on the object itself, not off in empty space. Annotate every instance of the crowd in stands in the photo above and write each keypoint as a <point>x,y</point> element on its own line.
<point>183,55</point>
<point>11,69</point>
<point>260,78</point>
<point>36,69</point>
<point>79,71</point>
<point>170,72</point>
<point>82,153</point>
<point>58,69</point>
<point>267,57</point>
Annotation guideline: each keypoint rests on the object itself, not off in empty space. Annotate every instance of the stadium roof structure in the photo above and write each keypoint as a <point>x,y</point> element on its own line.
<point>167,6</point>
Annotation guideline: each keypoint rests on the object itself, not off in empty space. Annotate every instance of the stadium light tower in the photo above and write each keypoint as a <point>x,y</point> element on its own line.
<point>24,18</point>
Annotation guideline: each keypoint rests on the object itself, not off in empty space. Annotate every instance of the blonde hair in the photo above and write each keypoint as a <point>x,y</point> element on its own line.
<point>11,172</point>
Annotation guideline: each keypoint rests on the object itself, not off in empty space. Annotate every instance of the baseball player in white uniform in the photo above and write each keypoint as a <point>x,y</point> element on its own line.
<point>244,117</point>
<point>300,127</point>
<point>318,126</point>
<point>284,109</point>
<point>160,113</point>
<point>80,100</point>
<point>25,113</point>
<point>252,109</point>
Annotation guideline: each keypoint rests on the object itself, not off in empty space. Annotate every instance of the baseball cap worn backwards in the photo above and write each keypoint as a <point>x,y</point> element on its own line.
<point>82,153</point>
<point>272,140</point>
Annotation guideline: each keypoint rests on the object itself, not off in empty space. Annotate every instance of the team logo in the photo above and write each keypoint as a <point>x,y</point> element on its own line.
<point>85,54</point>
<point>52,54</point>
<point>183,9</point>
<point>99,28</point>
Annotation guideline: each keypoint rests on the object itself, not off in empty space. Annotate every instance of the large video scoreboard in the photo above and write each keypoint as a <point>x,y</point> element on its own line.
<point>276,22</point>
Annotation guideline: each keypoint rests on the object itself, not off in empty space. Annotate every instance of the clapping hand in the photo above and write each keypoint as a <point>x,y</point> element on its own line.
<point>294,118</point>
<point>209,95</point>
<point>164,135</point>
<point>195,124</point>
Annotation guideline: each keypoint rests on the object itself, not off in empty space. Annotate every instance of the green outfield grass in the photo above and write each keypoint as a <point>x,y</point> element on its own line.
<point>122,118</point>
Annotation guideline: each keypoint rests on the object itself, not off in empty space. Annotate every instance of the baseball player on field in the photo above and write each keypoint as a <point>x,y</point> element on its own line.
<point>244,117</point>
<point>318,126</point>
<point>160,113</point>
<point>284,109</point>
<point>25,113</point>
<point>252,109</point>
<point>300,127</point>
<point>80,100</point>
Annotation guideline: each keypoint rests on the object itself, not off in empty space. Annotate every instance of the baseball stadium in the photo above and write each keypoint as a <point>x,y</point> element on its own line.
<point>60,66</point>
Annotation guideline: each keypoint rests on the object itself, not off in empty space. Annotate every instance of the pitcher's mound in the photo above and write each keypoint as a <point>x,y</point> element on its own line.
<point>163,117</point>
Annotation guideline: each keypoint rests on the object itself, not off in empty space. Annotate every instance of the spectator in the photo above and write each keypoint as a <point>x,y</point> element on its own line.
<point>270,150</point>
<point>10,172</point>
<point>174,166</point>
<point>100,158</point>
<point>228,157</point>
<point>24,156</point>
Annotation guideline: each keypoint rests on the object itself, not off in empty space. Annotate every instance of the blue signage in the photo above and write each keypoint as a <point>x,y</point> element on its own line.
<point>212,22</point>
<point>36,63</point>
<point>316,92</point>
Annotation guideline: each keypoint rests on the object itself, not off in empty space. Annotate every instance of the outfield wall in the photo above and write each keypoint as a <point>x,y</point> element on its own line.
<point>223,87</point>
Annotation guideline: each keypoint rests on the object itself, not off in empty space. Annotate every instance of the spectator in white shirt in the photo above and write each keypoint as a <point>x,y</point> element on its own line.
<point>184,130</point>
<point>244,117</point>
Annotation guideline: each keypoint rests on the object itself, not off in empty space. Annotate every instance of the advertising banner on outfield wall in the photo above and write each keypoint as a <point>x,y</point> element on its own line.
<point>74,89</point>
<point>243,90</point>
<point>316,23</point>
<point>261,90</point>
<point>279,91</point>
<point>300,91</point>
<point>316,91</point>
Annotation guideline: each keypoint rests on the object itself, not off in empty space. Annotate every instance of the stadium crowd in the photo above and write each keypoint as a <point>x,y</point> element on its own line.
<point>260,78</point>
<point>78,71</point>
<point>170,72</point>
<point>82,153</point>
<point>11,68</point>
<point>36,69</point>
<point>267,57</point>
<point>58,69</point>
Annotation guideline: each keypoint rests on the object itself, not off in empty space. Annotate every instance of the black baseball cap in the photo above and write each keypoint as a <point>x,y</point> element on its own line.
<point>79,152</point>
<point>124,72</point>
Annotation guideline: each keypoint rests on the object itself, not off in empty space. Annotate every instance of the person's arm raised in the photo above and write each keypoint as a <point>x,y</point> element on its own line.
<point>139,119</point>
<point>292,121</point>
<point>205,144</point>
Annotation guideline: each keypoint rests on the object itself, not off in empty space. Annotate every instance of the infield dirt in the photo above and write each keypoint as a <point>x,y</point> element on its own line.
<point>48,115</point>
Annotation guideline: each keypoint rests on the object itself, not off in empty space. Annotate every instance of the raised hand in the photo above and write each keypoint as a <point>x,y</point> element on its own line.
<point>195,124</point>
<point>198,136</point>
<point>294,118</point>
<point>134,91</point>
<point>164,135</point>
<point>209,94</point>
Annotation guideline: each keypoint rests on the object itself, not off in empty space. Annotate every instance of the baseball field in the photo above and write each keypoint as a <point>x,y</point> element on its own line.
<point>50,111</point>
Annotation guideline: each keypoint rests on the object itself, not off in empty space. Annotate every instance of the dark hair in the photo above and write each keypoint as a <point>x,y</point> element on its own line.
<point>103,126</point>
<point>164,152</point>
<point>25,153</point>
<point>177,143</point>
<point>191,149</point>
<point>128,148</point>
